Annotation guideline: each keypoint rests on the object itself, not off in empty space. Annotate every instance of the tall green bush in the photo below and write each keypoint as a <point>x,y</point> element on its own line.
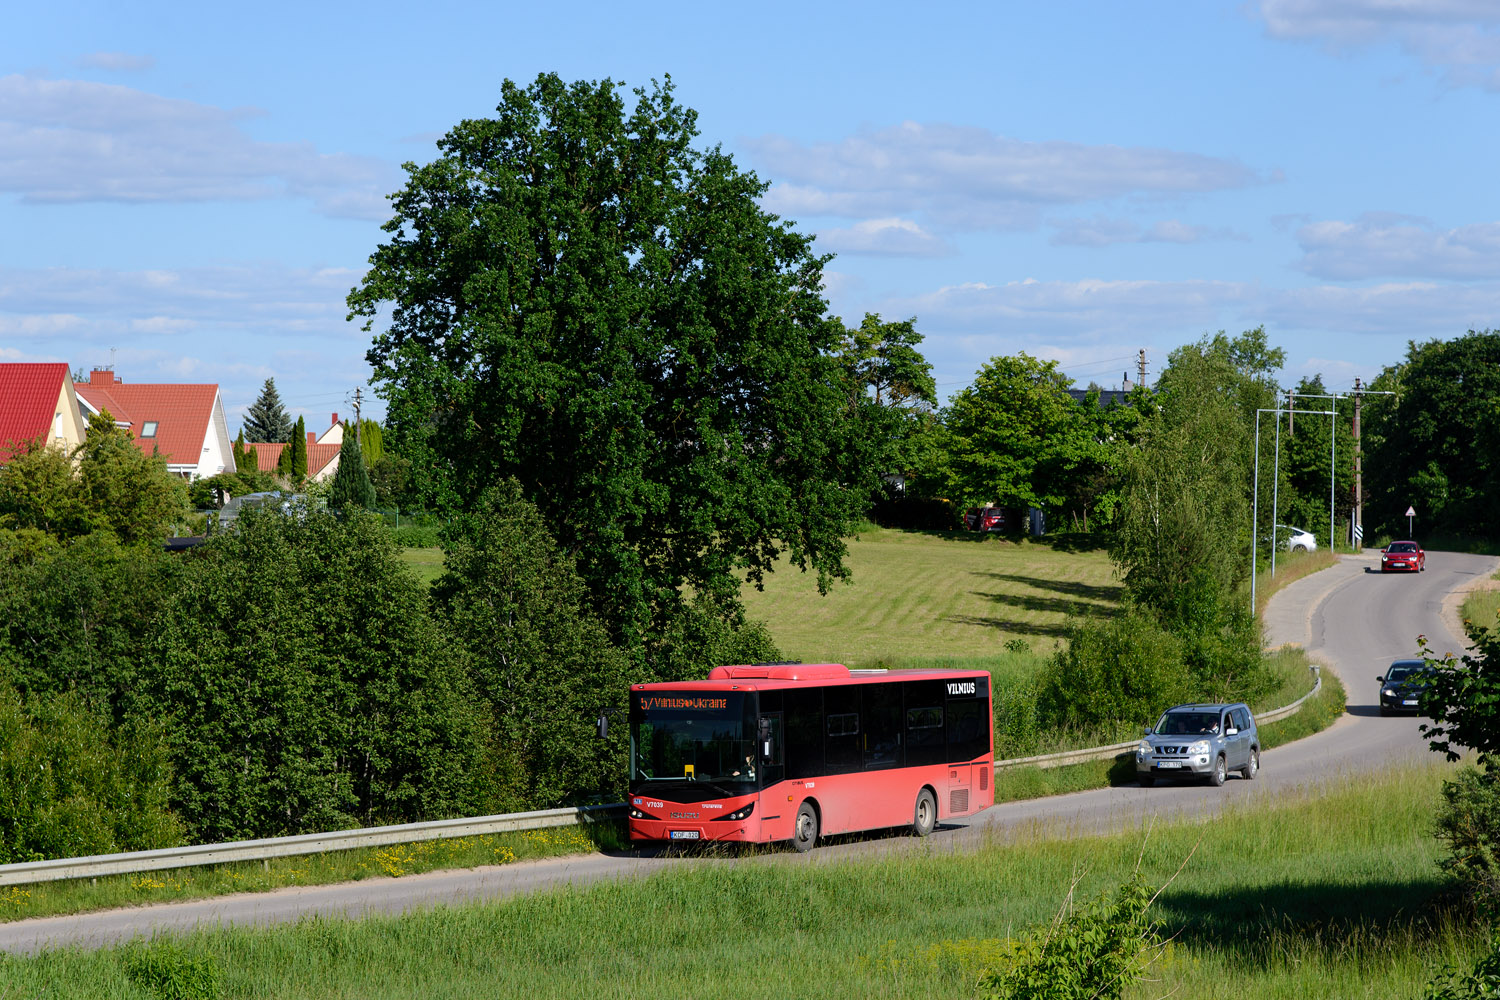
<point>305,685</point>
<point>81,615</point>
<point>1113,671</point>
<point>70,786</point>
<point>526,630</point>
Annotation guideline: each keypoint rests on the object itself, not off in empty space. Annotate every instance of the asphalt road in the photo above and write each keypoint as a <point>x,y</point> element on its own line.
<point>1350,618</point>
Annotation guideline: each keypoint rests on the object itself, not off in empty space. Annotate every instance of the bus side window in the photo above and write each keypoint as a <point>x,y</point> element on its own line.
<point>925,743</point>
<point>880,743</point>
<point>804,734</point>
<point>841,710</point>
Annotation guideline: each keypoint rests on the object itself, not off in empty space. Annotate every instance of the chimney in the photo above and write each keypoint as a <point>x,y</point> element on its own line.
<point>312,439</point>
<point>103,376</point>
<point>335,421</point>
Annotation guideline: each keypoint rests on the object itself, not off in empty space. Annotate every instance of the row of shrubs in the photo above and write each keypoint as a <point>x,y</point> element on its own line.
<point>293,676</point>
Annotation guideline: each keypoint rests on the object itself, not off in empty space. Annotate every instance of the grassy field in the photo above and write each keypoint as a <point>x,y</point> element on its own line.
<point>922,596</point>
<point>427,563</point>
<point>1331,895</point>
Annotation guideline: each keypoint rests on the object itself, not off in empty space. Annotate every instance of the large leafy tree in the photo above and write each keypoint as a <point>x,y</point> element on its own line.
<point>891,393</point>
<point>1434,444</point>
<point>106,484</point>
<point>1184,514</point>
<point>268,421</point>
<point>1016,437</point>
<point>575,296</point>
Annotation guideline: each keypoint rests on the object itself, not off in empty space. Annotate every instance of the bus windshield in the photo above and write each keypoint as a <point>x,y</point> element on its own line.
<point>694,737</point>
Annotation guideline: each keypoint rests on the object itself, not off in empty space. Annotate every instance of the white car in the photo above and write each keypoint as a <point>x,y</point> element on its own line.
<point>1299,540</point>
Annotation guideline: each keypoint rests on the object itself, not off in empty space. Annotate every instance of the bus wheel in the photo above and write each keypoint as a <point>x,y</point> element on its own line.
<point>926,814</point>
<point>806,833</point>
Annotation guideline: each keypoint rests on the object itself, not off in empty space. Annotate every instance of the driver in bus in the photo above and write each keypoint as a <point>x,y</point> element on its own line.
<point>746,770</point>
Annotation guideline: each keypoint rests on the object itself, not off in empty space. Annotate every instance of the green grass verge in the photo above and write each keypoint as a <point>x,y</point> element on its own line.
<point>1482,607</point>
<point>175,885</point>
<point>1330,894</point>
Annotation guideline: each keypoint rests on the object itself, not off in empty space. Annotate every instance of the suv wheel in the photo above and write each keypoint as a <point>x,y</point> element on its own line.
<point>1220,771</point>
<point>1252,765</point>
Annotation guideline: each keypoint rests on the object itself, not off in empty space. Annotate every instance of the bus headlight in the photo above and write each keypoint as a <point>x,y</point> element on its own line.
<point>741,813</point>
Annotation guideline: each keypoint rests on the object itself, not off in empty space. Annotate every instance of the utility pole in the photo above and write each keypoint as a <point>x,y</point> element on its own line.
<point>357,398</point>
<point>1358,491</point>
<point>1291,412</point>
<point>1140,366</point>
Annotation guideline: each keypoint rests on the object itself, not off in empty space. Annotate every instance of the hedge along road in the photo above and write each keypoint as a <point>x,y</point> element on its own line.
<point>1350,618</point>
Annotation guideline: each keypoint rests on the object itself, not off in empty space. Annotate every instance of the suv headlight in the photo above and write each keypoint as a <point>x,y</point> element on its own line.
<point>1145,748</point>
<point>1200,747</point>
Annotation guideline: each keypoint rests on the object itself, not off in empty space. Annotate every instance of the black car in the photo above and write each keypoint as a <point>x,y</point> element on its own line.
<point>1401,686</point>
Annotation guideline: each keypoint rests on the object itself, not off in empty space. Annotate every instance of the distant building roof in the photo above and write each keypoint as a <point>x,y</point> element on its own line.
<point>173,420</point>
<point>318,456</point>
<point>28,401</point>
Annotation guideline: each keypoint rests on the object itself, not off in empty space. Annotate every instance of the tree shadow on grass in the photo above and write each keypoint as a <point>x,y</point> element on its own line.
<point>1256,924</point>
<point>1010,625</point>
<point>1101,593</point>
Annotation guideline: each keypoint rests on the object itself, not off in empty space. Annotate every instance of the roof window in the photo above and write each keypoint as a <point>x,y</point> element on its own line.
<point>148,429</point>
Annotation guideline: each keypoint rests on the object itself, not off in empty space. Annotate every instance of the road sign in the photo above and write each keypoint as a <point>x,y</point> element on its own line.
<point>1359,532</point>
<point>1411,512</point>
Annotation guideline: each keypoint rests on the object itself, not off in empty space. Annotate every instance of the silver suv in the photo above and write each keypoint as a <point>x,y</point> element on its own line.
<point>1205,741</point>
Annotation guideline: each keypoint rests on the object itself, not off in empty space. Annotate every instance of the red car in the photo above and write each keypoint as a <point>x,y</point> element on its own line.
<point>984,519</point>
<point>1403,556</point>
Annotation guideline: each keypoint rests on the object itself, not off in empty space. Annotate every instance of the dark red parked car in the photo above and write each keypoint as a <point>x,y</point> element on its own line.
<point>984,519</point>
<point>1407,556</point>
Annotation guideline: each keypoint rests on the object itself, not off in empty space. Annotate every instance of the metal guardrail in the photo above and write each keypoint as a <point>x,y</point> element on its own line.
<point>30,872</point>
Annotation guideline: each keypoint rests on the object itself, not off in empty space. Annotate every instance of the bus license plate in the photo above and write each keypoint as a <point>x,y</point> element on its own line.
<point>683,834</point>
<point>1169,763</point>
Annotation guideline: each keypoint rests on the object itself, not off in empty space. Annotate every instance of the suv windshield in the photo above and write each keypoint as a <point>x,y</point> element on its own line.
<point>692,736</point>
<point>1188,724</point>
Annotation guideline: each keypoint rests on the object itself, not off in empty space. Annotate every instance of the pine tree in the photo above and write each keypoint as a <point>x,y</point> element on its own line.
<point>299,451</point>
<point>243,454</point>
<point>351,483</point>
<point>267,420</point>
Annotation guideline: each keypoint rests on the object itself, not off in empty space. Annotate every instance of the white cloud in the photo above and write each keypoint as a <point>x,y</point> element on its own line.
<point>1103,232</point>
<point>1462,37</point>
<point>1389,245</point>
<point>1408,309</point>
<point>117,62</point>
<point>970,178</point>
<point>1048,309</point>
<point>884,237</point>
<point>76,141</point>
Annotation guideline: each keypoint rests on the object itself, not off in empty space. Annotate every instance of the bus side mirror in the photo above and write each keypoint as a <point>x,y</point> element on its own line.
<point>765,749</point>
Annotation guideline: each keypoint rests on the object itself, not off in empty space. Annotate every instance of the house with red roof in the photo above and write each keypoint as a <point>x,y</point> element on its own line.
<point>184,423</point>
<point>37,401</point>
<point>322,453</point>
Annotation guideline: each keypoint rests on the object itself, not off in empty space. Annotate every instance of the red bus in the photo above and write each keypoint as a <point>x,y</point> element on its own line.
<point>779,752</point>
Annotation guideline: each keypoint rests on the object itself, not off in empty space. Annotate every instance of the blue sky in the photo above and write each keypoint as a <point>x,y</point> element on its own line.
<point>189,193</point>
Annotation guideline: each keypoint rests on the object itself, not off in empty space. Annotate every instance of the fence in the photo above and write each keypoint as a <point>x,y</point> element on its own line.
<point>29,872</point>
